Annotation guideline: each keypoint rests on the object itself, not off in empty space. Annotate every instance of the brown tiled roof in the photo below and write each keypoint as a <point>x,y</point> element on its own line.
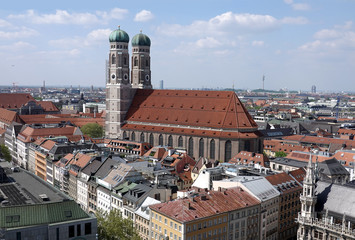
<point>245,157</point>
<point>212,109</point>
<point>49,144</point>
<point>2,131</point>
<point>14,100</point>
<point>282,182</point>
<point>205,205</point>
<point>156,152</point>
<point>298,174</point>
<point>30,134</point>
<point>7,116</point>
<point>48,106</point>
<point>304,156</point>
<point>276,145</point>
<point>319,140</point>
<point>348,157</point>
<point>77,120</point>
<point>345,131</point>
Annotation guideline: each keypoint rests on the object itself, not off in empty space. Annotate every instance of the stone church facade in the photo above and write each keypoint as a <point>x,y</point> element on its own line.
<point>212,124</point>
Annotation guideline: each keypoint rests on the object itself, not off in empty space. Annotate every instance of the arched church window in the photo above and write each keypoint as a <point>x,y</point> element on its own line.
<point>113,59</point>
<point>124,135</point>
<point>170,141</point>
<point>151,139</point>
<point>212,149</point>
<point>180,142</point>
<point>142,137</point>
<point>133,136</point>
<point>146,63</point>
<point>125,61</point>
<point>135,61</point>
<point>191,146</point>
<point>201,147</point>
<point>227,151</point>
<point>247,145</point>
<point>161,142</point>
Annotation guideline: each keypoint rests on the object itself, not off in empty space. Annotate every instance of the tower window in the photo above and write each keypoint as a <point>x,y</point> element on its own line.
<point>135,61</point>
<point>147,63</point>
<point>125,61</point>
<point>113,59</point>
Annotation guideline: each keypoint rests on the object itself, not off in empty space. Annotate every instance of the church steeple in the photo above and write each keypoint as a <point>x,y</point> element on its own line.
<point>118,88</point>
<point>141,75</point>
<point>308,202</point>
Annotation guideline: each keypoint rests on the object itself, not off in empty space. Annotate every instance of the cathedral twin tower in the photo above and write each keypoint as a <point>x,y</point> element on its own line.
<point>119,60</point>
<point>122,83</point>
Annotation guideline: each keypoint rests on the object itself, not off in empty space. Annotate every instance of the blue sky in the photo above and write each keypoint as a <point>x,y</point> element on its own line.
<point>195,43</point>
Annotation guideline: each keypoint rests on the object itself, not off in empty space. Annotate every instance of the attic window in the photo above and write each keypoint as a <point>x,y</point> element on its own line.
<point>162,105</point>
<point>224,108</point>
<point>181,106</point>
<point>228,95</point>
<point>176,94</point>
<point>68,214</point>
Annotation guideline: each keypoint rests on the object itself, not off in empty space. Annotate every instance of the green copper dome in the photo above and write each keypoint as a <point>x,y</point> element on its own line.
<point>119,36</point>
<point>141,40</point>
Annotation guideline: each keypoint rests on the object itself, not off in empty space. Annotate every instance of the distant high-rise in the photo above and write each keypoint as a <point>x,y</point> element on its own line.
<point>161,84</point>
<point>314,89</point>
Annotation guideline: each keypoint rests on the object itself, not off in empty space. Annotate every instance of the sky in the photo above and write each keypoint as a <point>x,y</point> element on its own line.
<point>195,43</point>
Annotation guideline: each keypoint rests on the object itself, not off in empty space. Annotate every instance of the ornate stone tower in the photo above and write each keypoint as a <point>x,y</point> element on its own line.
<point>140,75</point>
<point>308,202</point>
<point>118,88</point>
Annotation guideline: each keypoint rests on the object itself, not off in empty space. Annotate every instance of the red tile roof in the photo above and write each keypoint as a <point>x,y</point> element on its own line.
<point>76,119</point>
<point>319,140</point>
<point>348,157</point>
<point>282,182</point>
<point>205,205</point>
<point>14,100</point>
<point>48,106</point>
<point>245,157</point>
<point>7,116</point>
<point>304,156</point>
<point>30,134</point>
<point>298,174</point>
<point>212,109</point>
<point>49,144</point>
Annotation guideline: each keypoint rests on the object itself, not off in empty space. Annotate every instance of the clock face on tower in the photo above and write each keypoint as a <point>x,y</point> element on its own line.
<point>113,76</point>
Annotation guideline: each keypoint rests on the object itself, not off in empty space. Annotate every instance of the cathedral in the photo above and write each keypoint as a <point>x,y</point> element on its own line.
<point>212,124</point>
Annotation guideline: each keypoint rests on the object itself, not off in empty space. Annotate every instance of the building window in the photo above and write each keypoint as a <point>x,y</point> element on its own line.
<point>18,236</point>
<point>212,149</point>
<point>180,142</point>
<point>133,136</point>
<point>247,145</point>
<point>113,59</point>
<point>228,151</point>
<point>142,137</point>
<point>135,61</point>
<point>170,141</point>
<point>151,139</point>
<point>161,142</point>
<point>71,231</point>
<point>201,149</point>
<point>191,146</point>
<point>124,135</point>
<point>125,61</point>
<point>78,230</point>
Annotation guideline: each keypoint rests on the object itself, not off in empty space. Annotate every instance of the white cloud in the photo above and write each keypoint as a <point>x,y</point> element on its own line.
<point>337,39</point>
<point>208,42</point>
<point>93,37</point>
<point>64,17</point>
<point>301,6</point>
<point>17,46</point>
<point>257,43</point>
<point>22,33</point>
<point>143,16</point>
<point>294,20</point>
<point>225,23</point>
<point>298,6</point>
<point>4,23</point>
<point>229,24</point>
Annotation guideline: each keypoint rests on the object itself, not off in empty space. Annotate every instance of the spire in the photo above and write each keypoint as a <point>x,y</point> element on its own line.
<point>309,179</point>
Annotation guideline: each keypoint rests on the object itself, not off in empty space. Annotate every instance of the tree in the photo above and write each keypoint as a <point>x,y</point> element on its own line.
<point>5,152</point>
<point>94,130</point>
<point>280,154</point>
<point>112,226</point>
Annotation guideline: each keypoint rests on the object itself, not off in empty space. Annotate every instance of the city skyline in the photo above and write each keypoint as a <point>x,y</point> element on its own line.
<point>295,44</point>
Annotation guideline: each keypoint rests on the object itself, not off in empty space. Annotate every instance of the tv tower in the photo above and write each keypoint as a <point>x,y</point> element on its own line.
<point>263,82</point>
